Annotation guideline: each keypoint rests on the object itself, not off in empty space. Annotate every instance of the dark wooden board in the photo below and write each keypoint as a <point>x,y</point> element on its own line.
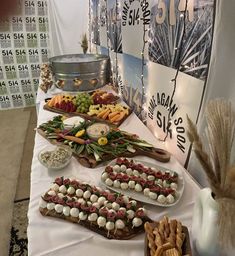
<point>86,116</point>
<point>186,247</point>
<point>124,234</point>
<point>90,162</point>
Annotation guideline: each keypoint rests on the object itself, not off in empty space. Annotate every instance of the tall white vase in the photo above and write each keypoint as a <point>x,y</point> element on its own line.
<point>205,224</point>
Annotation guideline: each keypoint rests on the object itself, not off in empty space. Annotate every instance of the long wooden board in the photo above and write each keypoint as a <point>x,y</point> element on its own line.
<point>90,162</point>
<point>85,116</point>
<point>124,234</point>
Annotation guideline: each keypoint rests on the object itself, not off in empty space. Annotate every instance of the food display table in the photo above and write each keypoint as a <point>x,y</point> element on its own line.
<point>49,236</point>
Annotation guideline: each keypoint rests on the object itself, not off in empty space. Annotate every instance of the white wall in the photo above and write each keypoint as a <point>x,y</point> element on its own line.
<point>68,20</point>
<point>221,77</point>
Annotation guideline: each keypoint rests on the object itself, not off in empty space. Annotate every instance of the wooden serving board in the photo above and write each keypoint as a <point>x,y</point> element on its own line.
<point>90,162</point>
<point>125,234</point>
<point>85,116</point>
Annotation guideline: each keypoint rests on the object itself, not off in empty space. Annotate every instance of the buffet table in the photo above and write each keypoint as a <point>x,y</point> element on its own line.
<point>49,236</point>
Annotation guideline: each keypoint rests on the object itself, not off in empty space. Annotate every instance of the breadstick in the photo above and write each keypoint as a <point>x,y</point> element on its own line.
<point>161,229</point>
<point>158,239</point>
<point>159,251</point>
<point>173,224</point>
<point>167,246</point>
<point>172,252</point>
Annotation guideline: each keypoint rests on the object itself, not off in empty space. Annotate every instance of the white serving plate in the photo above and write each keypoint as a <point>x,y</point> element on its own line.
<point>139,196</point>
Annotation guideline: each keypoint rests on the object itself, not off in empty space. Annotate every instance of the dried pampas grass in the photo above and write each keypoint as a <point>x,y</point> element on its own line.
<point>217,163</point>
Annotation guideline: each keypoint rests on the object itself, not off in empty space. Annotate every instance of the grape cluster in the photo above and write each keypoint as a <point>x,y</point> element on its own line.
<point>83,101</point>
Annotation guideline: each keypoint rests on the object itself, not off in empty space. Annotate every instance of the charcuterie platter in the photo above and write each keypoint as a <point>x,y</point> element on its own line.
<point>93,143</point>
<point>144,181</point>
<point>98,105</point>
<point>111,215</point>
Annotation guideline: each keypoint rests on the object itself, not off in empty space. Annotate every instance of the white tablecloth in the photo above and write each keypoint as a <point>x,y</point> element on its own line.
<point>51,236</point>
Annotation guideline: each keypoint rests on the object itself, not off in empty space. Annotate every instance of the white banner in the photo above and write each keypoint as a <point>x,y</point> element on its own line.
<point>23,47</point>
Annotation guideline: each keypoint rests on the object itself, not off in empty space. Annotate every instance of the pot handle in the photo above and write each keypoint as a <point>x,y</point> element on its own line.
<point>93,81</point>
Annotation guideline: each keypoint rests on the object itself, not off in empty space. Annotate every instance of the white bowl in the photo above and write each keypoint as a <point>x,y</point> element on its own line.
<point>97,130</point>
<point>55,157</point>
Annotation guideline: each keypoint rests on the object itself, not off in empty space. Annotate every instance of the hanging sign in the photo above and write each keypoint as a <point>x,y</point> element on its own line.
<point>95,28</point>
<point>135,16</point>
<point>102,22</point>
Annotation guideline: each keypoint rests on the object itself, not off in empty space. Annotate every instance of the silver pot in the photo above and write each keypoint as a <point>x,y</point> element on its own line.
<point>80,72</point>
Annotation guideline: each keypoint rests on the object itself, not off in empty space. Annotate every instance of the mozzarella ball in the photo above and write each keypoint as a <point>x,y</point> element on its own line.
<point>151,177</point>
<point>122,209</point>
<point>66,210</point>
<point>60,195</point>
<point>87,194</point>
<point>125,199</point>
<point>101,221</point>
<point>136,222</point>
<point>131,184</point>
<point>101,200</point>
<point>109,225</point>
<point>50,206</point>
<point>55,187</point>
<point>59,208</point>
<point>81,201</point>
<point>129,171</point>
<point>116,184</point>
<point>104,176</point>
<point>143,175</point>
<point>144,210</point>
<point>93,216</point>
<point>115,206</point>
<point>71,191</point>
<point>79,193</point>
<point>170,199</point>
<point>159,182</point>
<point>51,193</point>
<point>116,168</point>
<point>174,185</point>
<point>94,198</point>
<point>108,182</point>
<point>161,199</point>
<point>153,195</point>
<point>123,168</point>
<point>136,173</point>
<point>146,191</point>
<point>42,203</point>
<point>165,184</point>
<point>119,224</point>
<point>130,214</point>
<point>96,205</point>
<point>133,202</point>
<point>89,203</point>
<point>124,186</point>
<point>74,212</point>
<point>108,204</point>
<point>82,216</point>
<point>63,189</point>
<point>138,188</point>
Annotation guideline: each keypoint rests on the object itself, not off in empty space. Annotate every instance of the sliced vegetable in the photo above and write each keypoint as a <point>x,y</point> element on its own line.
<point>80,133</point>
<point>73,138</point>
<point>102,141</point>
